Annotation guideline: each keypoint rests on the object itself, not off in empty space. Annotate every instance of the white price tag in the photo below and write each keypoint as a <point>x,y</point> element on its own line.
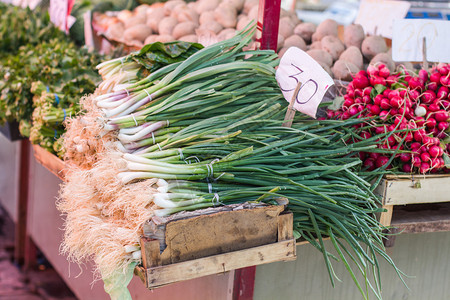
<point>58,13</point>
<point>297,66</point>
<point>408,40</point>
<point>377,17</point>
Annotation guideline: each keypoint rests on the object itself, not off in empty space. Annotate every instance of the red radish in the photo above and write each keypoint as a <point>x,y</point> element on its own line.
<point>435,163</point>
<point>386,93</point>
<point>434,151</point>
<point>381,161</point>
<point>413,94</point>
<point>432,86</point>
<point>416,84</point>
<point>424,167</point>
<point>444,81</point>
<point>372,70</point>
<point>442,92</point>
<point>374,155</point>
<point>360,81</point>
<point>423,75</point>
<point>358,93</point>
<point>367,91</point>
<point>425,156</point>
<point>420,121</point>
<point>369,164</point>
<point>375,109</point>
<point>442,126</point>
<point>384,114</point>
<point>441,116</point>
<point>384,72</point>
<point>416,161</point>
<point>433,107</point>
<point>428,96</point>
<point>391,140</point>
<point>347,103</point>
<point>385,104</point>
<point>430,123</point>
<point>407,168</point>
<point>393,111</point>
<point>396,101</point>
<point>409,137</point>
<point>435,77</point>
<point>405,157</point>
<point>377,99</point>
<point>391,79</point>
<point>418,135</point>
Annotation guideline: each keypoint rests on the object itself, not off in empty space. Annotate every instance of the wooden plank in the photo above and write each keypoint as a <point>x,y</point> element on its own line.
<point>150,253</point>
<point>432,218</point>
<point>244,283</point>
<point>281,251</point>
<point>206,235</point>
<point>386,217</point>
<point>417,189</point>
<point>49,161</point>
<point>21,232</point>
<point>285,229</point>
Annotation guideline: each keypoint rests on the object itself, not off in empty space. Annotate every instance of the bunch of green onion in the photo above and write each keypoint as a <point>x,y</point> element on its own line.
<point>210,128</point>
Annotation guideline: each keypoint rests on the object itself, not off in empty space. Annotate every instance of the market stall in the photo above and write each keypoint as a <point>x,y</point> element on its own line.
<point>179,161</point>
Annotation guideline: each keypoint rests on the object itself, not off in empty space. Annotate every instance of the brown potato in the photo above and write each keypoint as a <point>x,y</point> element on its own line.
<point>316,45</point>
<point>206,17</point>
<point>320,55</point>
<point>226,15</point>
<point>305,30</point>
<point>353,35</point>
<point>249,4</point>
<point>286,27</point>
<point>383,58</point>
<point>295,41</point>
<point>115,31</point>
<point>188,15</point>
<point>167,25</point>
<point>238,4</point>
<point>282,51</point>
<point>332,45</point>
<point>327,27</point>
<point>211,26</point>
<point>280,41</point>
<point>353,55</point>
<point>138,32</point>
<point>343,70</point>
<point>326,68</point>
<point>154,17</point>
<point>151,39</point>
<point>165,38</point>
<point>226,34</point>
<point>135,20</point>
<point>170,5</point>
<point>184,28</point>
<point>192,38</point>
<point>253,13</point>
<point>244,21</point>
<point>207,5</point>
<point>372,45</point>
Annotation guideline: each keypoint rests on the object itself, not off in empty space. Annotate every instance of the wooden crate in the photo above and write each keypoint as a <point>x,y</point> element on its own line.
<point>214,241</point>
<point>411,189</point>
<point>50,161</point>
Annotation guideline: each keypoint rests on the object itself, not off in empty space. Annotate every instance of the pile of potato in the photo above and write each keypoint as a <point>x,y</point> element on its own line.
<point>208,21</point>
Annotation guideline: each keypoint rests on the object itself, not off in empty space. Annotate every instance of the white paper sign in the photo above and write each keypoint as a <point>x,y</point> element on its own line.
<point>408,40</point>
<point>377,17</point>
<point>297,66</point>
<point>58,13</point>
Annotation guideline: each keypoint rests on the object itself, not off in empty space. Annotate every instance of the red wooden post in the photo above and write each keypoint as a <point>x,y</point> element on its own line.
<point>244,283</point>
<point>268,22</point>
<point>267,36</point>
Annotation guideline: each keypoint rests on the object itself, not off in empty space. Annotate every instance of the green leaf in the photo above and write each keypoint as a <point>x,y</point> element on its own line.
<point>379,88</point>
<point>446,160</point>
<point>337,103</point>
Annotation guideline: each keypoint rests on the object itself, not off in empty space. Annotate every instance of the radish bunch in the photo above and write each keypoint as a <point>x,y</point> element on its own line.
<point>415,106</point>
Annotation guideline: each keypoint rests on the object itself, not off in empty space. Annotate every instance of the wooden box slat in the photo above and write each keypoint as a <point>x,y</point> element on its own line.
<point>216,243</point>
<point>50,161</point>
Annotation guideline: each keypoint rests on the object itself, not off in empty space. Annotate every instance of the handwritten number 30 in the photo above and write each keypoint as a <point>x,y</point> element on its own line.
<point>310,82</point>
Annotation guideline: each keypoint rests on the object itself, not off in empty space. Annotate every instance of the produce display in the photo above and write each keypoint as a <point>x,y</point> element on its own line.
<point>205,131</point>
<point>417,105</point>
<point>207,21</point>
<point>43,77</point>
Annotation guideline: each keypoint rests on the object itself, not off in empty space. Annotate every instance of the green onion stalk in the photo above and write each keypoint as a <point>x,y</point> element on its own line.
<point>210,129</point>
